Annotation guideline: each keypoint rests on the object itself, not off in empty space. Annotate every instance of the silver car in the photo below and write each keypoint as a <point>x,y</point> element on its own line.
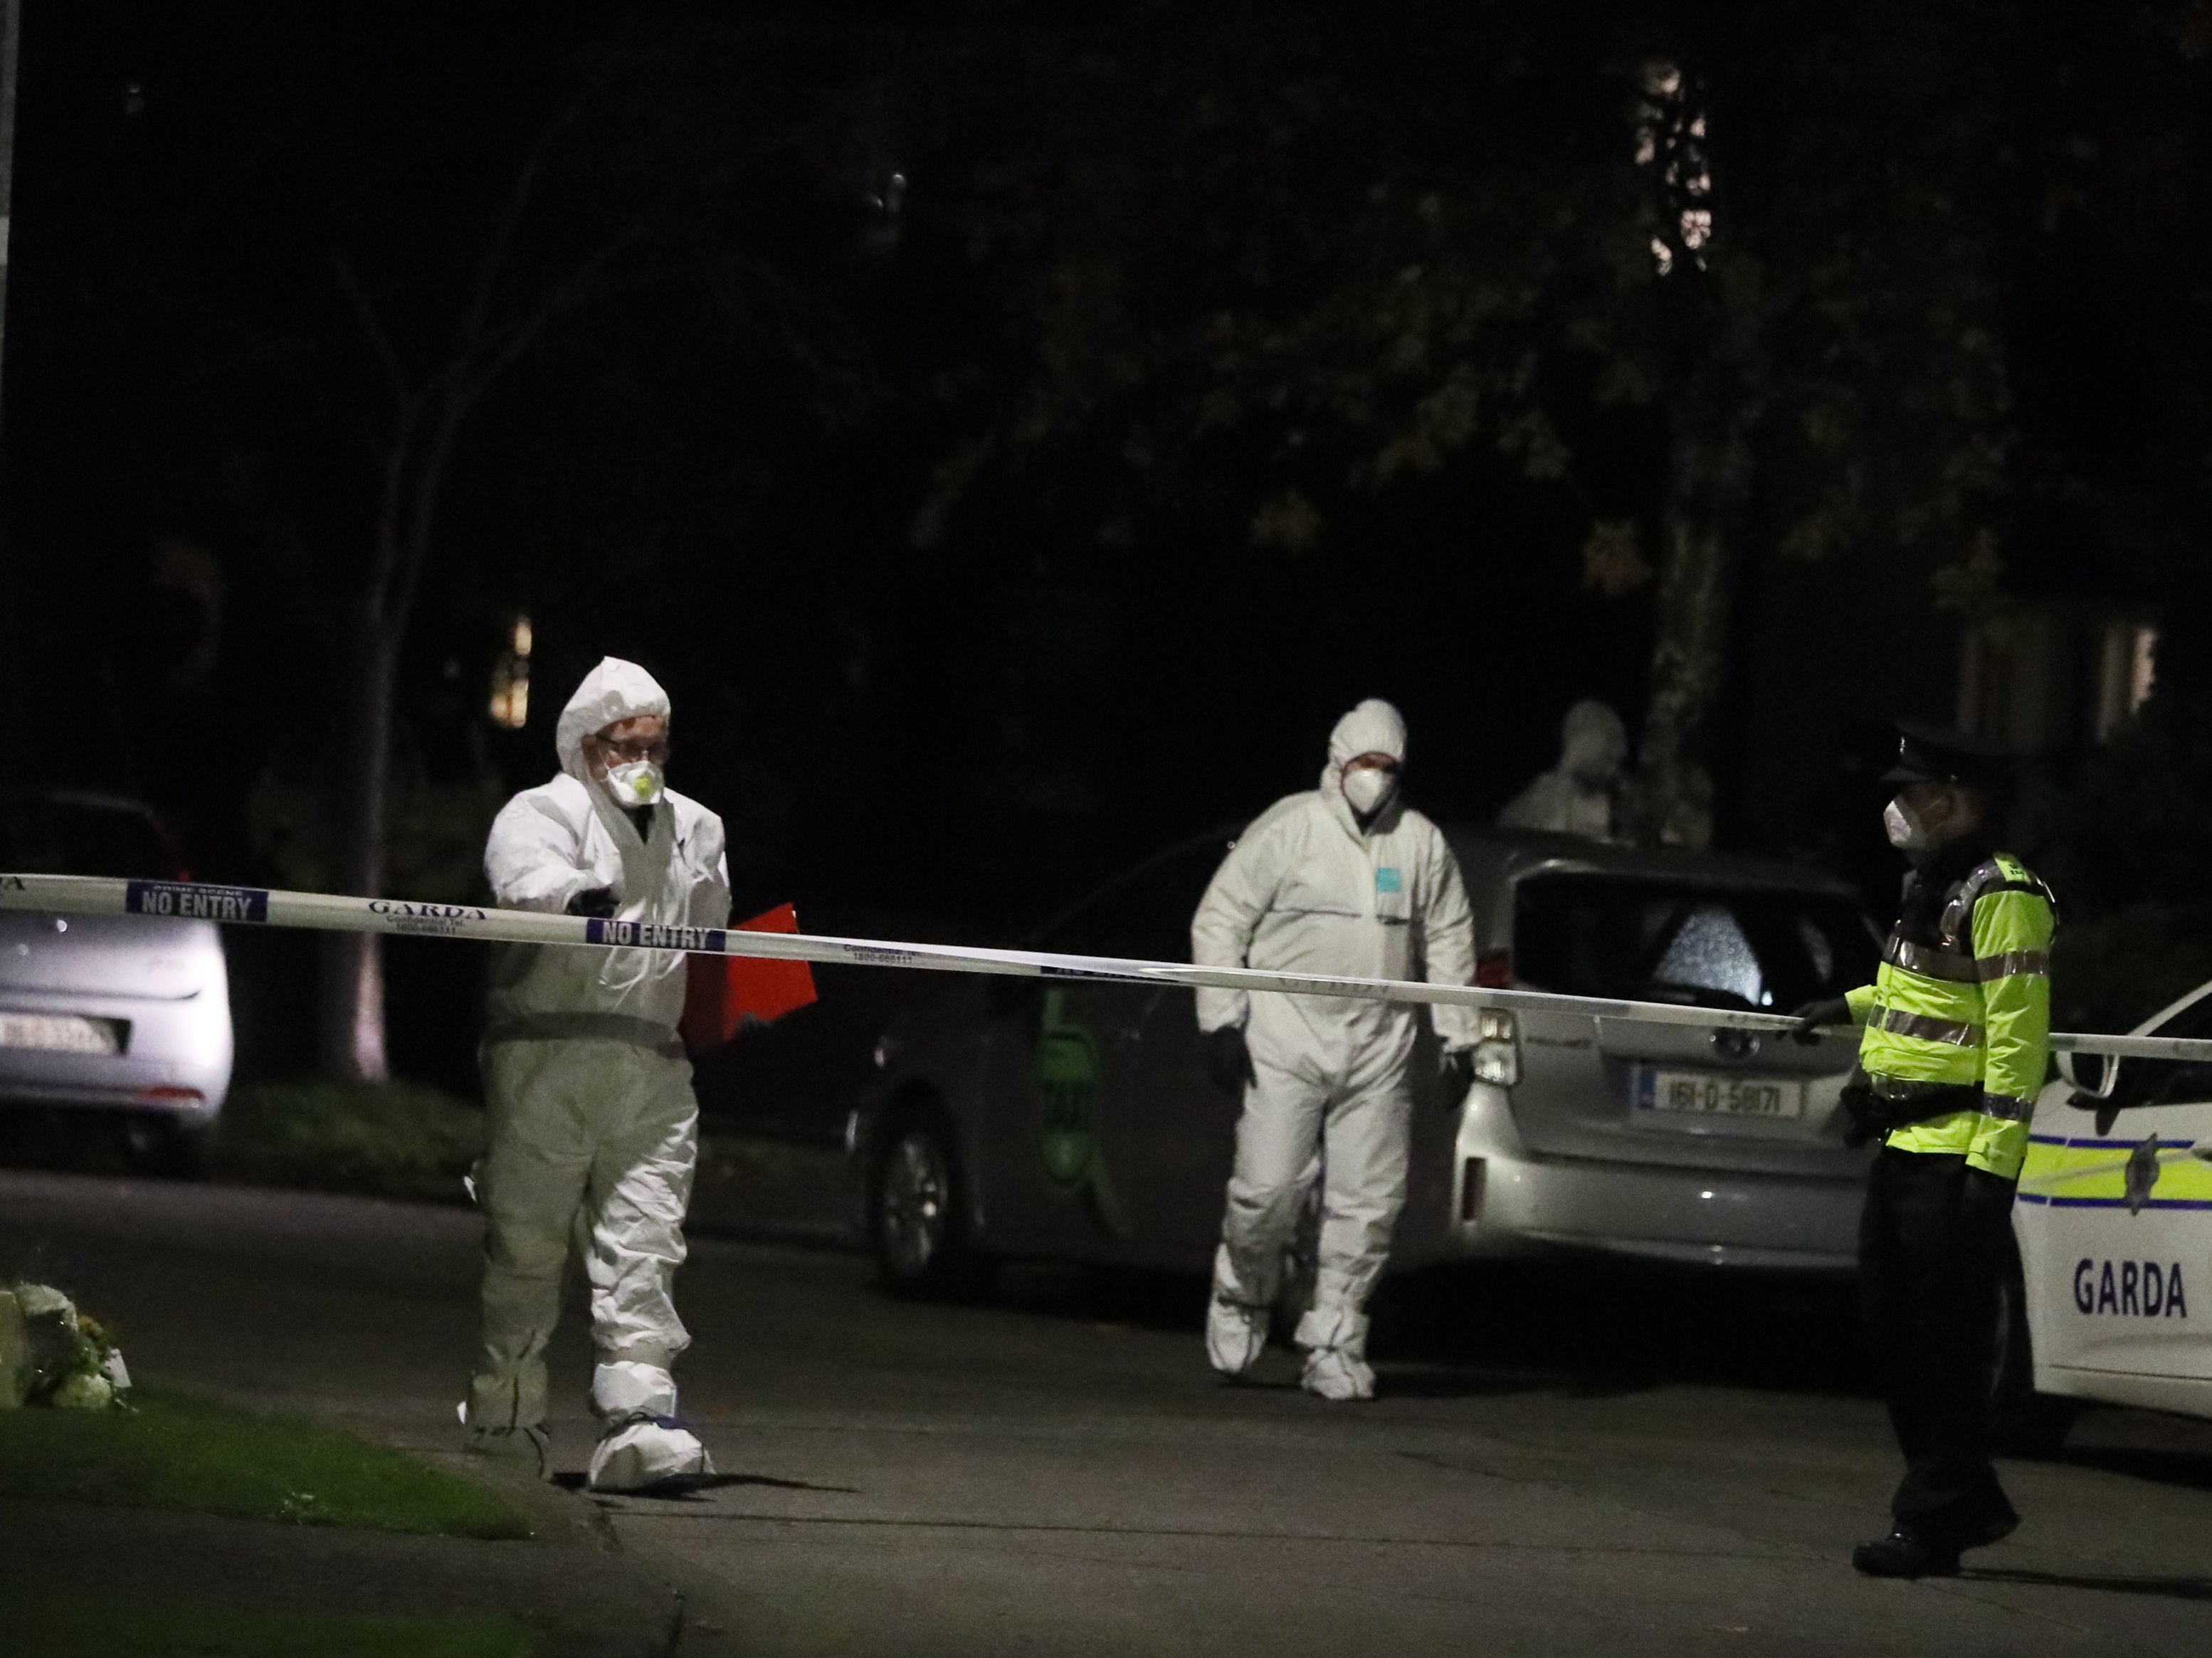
<point>127,1016</point>
<point>1075,1121</point>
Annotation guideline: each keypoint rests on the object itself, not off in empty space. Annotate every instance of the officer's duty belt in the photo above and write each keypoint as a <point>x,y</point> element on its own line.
<point>1881,1105</point>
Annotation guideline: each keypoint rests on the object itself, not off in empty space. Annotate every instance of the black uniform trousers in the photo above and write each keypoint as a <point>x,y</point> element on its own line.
<point>1932,1243</point>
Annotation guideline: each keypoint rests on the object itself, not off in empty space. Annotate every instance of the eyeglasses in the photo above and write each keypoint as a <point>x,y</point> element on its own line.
<point>635,748</point>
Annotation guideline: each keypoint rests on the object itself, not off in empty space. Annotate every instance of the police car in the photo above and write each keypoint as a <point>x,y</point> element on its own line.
<point>1075,1121</point>
<point>2113,1301</point>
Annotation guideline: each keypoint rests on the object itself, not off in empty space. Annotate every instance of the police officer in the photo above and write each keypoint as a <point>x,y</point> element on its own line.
<point>1956,1038</point>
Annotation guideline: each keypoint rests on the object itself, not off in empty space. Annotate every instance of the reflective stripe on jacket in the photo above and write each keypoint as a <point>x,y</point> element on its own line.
<point>1971,1007</point>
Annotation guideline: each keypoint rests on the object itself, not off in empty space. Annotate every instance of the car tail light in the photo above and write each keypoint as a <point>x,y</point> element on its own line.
<point>168,1096</point>
<point>1470,1190</point>
<point>1493,970</point>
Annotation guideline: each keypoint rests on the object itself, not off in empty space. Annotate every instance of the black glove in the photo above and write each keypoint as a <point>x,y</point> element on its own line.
<point>598,904</point>
<point>1456,1067</point>
<point>1227,1061</point>
<point>1813,1015</point>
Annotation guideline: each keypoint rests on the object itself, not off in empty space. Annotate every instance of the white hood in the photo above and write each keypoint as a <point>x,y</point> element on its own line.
<point>613,691</point>
<point>1594,744</point>
<point>1373,728</point>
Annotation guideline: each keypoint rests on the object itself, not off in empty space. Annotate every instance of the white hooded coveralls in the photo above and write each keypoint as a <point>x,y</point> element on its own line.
<point>1581,795</point>
<point>1308,889</point>
<point>593,1127</point>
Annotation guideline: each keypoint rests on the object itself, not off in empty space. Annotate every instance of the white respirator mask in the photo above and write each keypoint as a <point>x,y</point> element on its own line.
<point>1367,787</point>
<point>635,784</point>
<point>1905,832</point>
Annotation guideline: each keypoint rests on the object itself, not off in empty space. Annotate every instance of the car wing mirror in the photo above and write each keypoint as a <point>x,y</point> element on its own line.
<point>2107,1078</point>
<point>2095,1095</point>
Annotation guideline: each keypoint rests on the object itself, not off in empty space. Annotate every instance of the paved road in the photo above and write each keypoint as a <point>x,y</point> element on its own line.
<point>1582,1460</point>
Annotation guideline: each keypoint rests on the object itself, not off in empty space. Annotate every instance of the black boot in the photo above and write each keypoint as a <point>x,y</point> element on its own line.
<point>1904,1554</point>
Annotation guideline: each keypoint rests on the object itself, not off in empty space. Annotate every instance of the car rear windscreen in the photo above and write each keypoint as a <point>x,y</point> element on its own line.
<point>80,838</point>
<point>1641,940</point>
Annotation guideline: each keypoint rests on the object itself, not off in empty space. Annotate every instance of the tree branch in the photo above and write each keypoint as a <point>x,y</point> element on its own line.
<point>509,225</point>
<point>379,338</point>
<point>485,352</point>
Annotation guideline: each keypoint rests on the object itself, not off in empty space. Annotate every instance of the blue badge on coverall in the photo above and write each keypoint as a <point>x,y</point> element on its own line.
<point>1386,880</point>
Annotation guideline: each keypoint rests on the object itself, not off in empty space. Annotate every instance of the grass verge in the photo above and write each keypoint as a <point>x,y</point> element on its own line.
<point>388,1140</point>
<point>174,1452</point>
<point>64,1627</point>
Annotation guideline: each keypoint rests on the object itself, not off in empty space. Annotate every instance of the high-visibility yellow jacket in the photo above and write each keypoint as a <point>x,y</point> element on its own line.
<point>1963,995</point>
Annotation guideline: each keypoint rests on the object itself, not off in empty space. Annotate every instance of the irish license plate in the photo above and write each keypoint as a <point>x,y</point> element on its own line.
<point>1709,1094</point>
<point>56,1032</point>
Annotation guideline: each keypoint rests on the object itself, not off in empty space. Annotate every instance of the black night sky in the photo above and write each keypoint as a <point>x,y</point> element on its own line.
<point>1014,436</point>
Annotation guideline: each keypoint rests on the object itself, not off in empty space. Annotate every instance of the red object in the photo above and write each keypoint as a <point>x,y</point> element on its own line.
<point>725,993</point>
<point>1493,970</point>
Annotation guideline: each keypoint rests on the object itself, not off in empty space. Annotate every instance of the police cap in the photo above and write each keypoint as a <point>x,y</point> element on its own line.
<point>1929,753</point>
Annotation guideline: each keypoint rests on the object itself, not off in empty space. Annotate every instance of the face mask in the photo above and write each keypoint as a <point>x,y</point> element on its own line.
<point>1906,832</point>
<point>1368,787</point>
<point>635,783</point>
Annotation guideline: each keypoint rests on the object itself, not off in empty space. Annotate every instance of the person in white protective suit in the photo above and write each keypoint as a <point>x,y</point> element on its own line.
<point>1347,879</point>
<point>1583,794</point>
<point>593,1130</point>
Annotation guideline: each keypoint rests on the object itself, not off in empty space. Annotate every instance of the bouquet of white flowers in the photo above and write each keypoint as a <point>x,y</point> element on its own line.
<point>52,1354</point>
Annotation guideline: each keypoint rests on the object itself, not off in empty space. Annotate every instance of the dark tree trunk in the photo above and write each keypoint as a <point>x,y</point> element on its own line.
<point>1692,623</point>
<point>427,418</point>
<point>1689,665</point>
<point>353,963</point>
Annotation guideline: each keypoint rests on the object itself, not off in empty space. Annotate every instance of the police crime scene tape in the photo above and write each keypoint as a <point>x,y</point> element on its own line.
<point>62,895</point>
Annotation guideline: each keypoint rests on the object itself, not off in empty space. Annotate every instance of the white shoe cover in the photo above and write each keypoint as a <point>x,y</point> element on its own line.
<point>1236,1336</point>
<point>643,1452</point>
<point>1334,1374</point>
<point>1335,1340</point>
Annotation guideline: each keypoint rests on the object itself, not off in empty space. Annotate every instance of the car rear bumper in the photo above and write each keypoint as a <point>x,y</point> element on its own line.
<point>177,1059</point>
<point>171,1099</point>
<point>1506,1200</point>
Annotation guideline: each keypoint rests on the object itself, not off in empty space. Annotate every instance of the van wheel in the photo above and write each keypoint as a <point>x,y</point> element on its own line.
<point>918,1216</point>
<point>2022,1421</point>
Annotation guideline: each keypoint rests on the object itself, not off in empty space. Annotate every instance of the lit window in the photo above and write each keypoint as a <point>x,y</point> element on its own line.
<point>2127,671</point>
<point>510,679</point>
<point>2048,677</point>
